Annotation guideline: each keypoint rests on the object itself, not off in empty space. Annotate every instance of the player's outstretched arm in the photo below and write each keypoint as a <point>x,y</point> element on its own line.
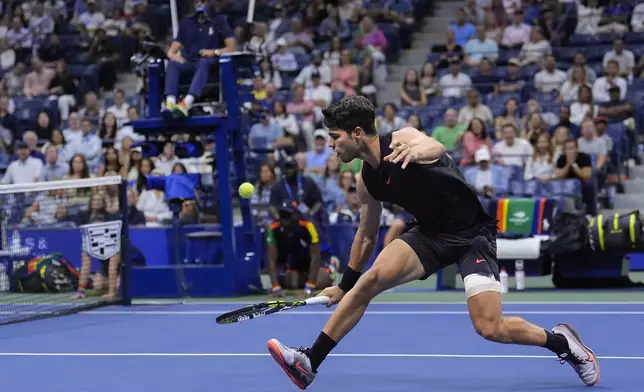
<point>364,243</point>
<point>411,145</point>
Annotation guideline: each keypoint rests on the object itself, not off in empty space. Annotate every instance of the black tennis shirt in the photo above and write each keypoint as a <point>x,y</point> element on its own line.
<point>436,194</point>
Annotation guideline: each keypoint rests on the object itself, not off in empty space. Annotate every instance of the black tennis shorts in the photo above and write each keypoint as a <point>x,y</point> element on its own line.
<point>474,254</point>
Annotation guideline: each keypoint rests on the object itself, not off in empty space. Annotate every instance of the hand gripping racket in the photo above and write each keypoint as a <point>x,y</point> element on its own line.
<point>265,308</point>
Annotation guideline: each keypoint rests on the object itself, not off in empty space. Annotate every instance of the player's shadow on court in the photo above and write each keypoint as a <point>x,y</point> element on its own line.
<point>499,382</point>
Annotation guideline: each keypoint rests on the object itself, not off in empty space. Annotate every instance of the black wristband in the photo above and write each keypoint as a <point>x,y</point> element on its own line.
<point>349,279</point>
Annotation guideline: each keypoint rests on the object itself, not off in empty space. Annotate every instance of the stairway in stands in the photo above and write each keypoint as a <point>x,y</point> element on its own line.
<point>633,198</point>
<point>432,32</point>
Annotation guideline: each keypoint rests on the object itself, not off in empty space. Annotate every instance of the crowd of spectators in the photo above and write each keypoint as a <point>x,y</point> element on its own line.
<point>506,92</point>
<point>312,56</point>
<point>517,86</point>
<point>61,117</point>
<point>516,93</point>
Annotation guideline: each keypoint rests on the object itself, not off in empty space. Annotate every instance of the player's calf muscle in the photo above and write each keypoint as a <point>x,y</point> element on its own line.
<point>489,322</point>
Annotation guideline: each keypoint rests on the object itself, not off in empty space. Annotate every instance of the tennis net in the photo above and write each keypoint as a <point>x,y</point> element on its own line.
<point>63,247</point>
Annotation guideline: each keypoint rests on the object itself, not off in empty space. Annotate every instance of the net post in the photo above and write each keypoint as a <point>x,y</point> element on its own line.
<point>126,260</point>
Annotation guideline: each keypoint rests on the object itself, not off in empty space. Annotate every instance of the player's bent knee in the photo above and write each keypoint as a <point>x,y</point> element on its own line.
<point>476,284</point>
<point>371,283</point>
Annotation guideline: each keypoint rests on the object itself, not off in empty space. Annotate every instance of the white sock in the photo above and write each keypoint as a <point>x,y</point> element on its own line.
<point>188,101</point>
<point>171,100</point>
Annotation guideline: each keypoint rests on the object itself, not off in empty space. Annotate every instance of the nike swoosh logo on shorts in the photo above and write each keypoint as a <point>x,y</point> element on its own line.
<point>479,261</point>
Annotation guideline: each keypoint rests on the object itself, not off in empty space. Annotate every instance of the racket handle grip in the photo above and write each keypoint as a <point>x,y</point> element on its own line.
<point>320,300</point>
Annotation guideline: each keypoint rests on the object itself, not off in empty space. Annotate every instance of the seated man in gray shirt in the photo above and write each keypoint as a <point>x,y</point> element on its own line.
<point>592,145</point>
<point>53,168</point>
<point>596,147</point>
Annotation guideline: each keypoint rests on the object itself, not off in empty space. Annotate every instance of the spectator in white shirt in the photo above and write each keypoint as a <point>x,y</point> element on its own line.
<point>269,74</point>
<point>535,50</point>
<point>603,84</point>
<point>91,19</point>
<point>624,57</point>
<point>512,150</point>
<point>540,168</point>
<point>511,6</point>
<point>455,83</point>
<point>319,93</point>
<point>128,130</point>
<point>516,34</point>
<point>549,78</point>
<point>115,23</point>
<point>283,60</point>
<point>120,107</point>
<point>584,107</point>
<point>474,109</point>
<point>285,120</point>
<point>316,66</point>
<point>7,55</point>
<point>570,89</point>
<point>590,18</point>
<point>152,204</point>
<point>166,160</point>
<point>637,21</point>
<point>589,14</point>
<point>25,169</point>
<point>260,42</point>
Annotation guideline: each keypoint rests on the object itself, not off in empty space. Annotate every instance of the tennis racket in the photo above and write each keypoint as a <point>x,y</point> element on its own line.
<point>265,308</point>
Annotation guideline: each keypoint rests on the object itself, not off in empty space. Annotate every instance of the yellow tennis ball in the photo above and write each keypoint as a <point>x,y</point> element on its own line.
<point>246,190</point>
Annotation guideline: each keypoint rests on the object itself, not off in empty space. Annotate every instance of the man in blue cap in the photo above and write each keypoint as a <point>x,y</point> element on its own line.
<point>200,39</point>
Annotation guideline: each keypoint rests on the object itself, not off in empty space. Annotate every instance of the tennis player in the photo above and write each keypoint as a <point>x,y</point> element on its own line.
<point>412,170</point>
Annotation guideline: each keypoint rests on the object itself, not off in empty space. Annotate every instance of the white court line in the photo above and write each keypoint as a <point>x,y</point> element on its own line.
<point>553,303</point>
<point>242,355</point>
<point>369,312</point>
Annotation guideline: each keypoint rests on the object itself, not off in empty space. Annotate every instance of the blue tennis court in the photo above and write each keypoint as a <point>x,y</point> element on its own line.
<point>397,347</point>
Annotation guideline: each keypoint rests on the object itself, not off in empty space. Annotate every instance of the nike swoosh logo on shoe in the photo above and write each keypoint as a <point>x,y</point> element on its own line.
<point>299,366</point>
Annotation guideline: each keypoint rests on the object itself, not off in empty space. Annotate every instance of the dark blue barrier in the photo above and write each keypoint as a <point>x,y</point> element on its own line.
<point>154,243</point>
<point>205,270</point>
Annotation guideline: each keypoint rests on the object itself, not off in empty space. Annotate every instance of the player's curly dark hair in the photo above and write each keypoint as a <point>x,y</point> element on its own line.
<point>351,112</point>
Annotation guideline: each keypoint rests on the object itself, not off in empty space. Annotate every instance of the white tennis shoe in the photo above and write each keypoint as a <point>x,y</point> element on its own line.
<point>295,362</point>
<point>581,357</point>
